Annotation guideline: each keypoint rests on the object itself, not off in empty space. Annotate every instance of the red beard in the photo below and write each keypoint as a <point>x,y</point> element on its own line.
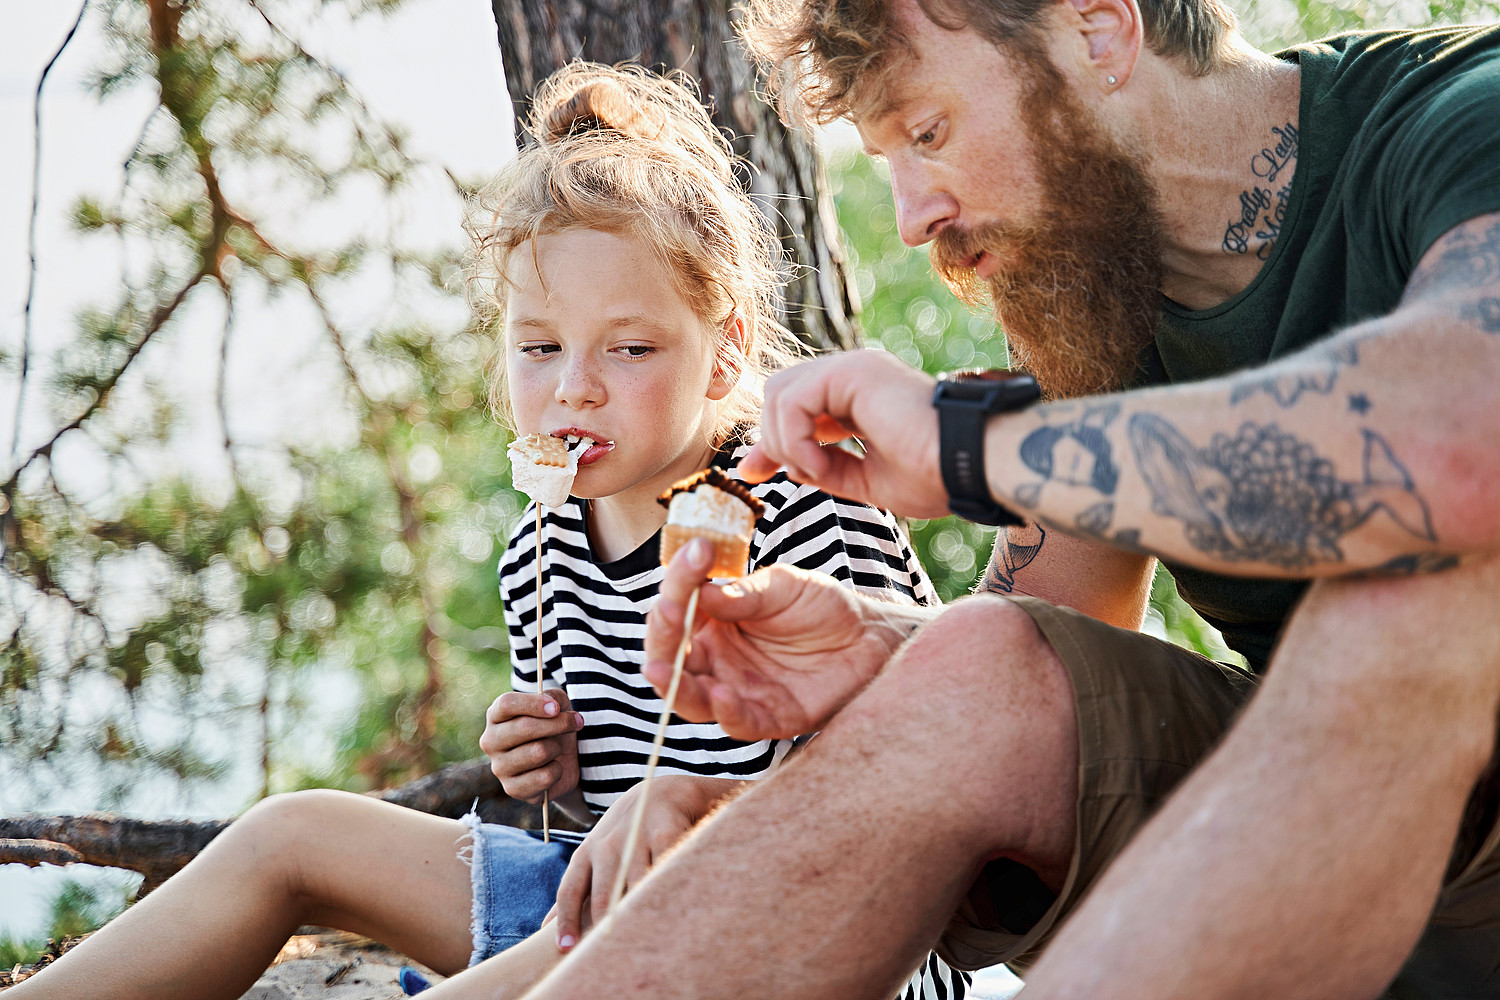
<point>1076,293</point>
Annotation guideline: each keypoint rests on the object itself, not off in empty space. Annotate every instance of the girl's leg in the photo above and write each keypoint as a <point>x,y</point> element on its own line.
<point>327,858</point>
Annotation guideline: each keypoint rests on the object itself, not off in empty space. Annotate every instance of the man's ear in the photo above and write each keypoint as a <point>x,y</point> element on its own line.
<point>1112,34</point>
<point>729,361</point>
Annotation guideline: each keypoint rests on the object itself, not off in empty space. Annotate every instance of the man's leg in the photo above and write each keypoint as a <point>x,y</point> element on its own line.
<point>833,877</point>
<point>1303,858</point>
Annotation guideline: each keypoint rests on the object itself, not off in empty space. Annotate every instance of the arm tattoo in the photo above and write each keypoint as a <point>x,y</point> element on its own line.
<point>1286,389</point>
<point>1015,548</point>
<point>1266,496</point>
<point>1412,565</point>
<point>1078,453</point>
<point>1468,259</point>
<point>1263,206</point>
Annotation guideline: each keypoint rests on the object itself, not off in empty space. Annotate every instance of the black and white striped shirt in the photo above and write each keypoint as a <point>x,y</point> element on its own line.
<point>594,621</point>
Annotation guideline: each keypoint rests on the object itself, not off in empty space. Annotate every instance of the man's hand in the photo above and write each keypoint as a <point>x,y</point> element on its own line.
<point>676,803</point>
<point>532,743</point>
<point>773,655</point>
<point>869,395</point>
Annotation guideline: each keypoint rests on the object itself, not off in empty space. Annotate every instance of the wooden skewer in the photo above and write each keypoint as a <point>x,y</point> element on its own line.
<point>541,656</point>
<point>656,745</point>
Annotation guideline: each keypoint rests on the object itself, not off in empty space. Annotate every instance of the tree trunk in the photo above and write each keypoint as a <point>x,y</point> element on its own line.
<point>697,37</point>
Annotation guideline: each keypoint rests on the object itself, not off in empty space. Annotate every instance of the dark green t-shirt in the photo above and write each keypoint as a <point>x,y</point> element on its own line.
<point>1398,142</point>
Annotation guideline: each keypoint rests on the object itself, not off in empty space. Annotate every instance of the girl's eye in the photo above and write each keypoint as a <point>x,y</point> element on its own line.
<point>538,350</point>
<point>636,350</point>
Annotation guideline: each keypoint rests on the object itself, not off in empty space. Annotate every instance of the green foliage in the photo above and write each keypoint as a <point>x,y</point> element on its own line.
<point>75,909</point>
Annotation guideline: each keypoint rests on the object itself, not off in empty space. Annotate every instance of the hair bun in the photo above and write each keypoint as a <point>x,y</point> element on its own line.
<point>594,103</point>
<point>589,102</point>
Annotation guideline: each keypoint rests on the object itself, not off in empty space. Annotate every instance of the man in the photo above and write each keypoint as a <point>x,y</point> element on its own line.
<point>1275,284</point>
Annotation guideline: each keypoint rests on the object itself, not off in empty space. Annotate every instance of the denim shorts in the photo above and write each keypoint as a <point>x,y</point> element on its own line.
<point>514,876</point>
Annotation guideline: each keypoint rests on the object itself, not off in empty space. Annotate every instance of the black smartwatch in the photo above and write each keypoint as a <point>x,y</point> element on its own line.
<point>965,401</point>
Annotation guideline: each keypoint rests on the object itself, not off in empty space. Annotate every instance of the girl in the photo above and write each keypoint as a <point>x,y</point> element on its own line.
<point>633,284</point>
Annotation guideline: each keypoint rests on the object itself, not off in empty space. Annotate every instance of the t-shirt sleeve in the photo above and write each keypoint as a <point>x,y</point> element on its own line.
<point>861,546</point>
<point>1440,164</point>
<point>518,601</point>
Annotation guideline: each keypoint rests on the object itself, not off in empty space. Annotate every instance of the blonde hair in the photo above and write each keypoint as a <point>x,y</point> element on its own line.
<point>622,150</point>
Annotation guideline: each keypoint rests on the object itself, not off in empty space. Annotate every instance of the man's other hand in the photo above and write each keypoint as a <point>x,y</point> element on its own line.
<point>773,655</point>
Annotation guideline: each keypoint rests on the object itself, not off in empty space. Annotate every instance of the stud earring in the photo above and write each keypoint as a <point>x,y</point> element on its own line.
<point>1111,81</point>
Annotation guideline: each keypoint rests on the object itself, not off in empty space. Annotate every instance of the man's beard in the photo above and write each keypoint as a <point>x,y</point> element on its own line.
<point>1077,292</point>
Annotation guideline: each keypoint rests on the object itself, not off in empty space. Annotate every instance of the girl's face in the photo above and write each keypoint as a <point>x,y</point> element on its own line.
<point>599,343</point>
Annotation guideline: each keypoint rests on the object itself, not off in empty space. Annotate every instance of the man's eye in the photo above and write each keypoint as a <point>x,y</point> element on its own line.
<point>926,138</point>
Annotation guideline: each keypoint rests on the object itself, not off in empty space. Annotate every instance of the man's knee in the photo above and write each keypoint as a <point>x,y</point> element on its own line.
<point>988,645</point>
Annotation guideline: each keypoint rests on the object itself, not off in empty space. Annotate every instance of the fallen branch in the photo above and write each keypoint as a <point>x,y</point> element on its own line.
<point>160,848</point>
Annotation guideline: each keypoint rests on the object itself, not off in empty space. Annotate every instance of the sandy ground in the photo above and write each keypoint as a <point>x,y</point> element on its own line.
<point>332,965</point>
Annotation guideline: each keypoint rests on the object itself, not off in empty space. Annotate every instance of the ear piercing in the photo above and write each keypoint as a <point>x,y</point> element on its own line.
<point>1110,80</point>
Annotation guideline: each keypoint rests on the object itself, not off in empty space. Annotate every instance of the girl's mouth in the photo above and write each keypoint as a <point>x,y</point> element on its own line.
<point>596,450</point>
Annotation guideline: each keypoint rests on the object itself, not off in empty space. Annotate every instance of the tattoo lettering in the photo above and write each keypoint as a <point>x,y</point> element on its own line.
<point>1077,453</point>
<point>1263,212</point>
<point>1252,203</point>
<point>1014,551</point>
<point>1287,389</point>
<point>1269,163</point>
<point>1265,496</point>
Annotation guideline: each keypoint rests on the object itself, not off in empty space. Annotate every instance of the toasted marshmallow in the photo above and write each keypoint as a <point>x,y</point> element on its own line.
<point>710,505</point>
<point>543,467</point>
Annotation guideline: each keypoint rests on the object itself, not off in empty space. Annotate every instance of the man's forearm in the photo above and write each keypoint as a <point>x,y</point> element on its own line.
<point>1364,452</point>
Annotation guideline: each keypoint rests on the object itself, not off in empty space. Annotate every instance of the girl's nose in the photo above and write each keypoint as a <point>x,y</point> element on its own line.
<point>579,384</point>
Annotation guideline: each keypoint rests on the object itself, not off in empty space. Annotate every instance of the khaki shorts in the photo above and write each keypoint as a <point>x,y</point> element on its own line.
<point>1148,712</point>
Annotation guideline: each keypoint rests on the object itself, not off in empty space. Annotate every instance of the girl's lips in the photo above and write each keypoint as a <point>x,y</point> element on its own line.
<point>594,452</point>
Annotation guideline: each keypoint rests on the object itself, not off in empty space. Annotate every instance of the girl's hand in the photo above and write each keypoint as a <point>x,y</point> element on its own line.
<point>677,802</point>
<point>774,654</point>
<point>532,743</point>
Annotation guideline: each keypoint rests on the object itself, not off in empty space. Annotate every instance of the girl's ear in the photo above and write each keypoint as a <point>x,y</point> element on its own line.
<point>729,362</point>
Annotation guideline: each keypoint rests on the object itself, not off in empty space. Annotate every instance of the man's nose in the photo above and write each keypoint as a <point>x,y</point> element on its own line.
<point>578,383</point>
<point>922,209</point>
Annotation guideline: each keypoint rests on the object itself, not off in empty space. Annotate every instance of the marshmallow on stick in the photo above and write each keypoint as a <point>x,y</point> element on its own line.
<point>711,506</point>
<point>543,467</point>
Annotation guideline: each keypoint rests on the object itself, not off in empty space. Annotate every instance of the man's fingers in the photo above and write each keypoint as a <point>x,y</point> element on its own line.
<point>692,701</point>
<point>572,896</point>
<point>603,883</point>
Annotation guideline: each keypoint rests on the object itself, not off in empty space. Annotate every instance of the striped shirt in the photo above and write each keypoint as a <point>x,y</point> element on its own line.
<point>594,623</point>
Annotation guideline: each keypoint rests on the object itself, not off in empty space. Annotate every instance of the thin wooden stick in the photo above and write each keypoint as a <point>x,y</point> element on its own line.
<point>541,656</point>
<point>661,737</point>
